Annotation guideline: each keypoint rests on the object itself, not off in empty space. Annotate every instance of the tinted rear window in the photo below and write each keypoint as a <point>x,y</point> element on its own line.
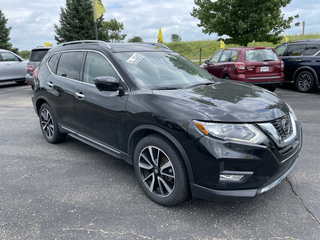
<point>311,49</point>
<point>37,55</point>
<point>69,65</point>
<point>260,55</point>
<point>294,50</point>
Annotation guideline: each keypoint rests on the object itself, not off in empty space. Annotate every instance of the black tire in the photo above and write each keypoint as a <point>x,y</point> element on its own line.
<point>271,88</point>
<point>164,181</point>
<point>49,126</point>
<point>227,77</point>
<point>305,82</point>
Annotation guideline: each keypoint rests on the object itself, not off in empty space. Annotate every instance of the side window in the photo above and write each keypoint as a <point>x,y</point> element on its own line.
<point>215,57</point>
<point>234,55</point>
<point>311,49</point>
<point>280,49</point>
<point>69,65</point>
<point>52,61</point>
<point>97,65</point>
<point>9,57</point>
<point>295,50</point>
<point>225,57</point>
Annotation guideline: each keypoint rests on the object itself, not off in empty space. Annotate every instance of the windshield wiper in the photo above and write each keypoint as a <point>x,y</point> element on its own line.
<point>200,84</point>
<point>165,88</point>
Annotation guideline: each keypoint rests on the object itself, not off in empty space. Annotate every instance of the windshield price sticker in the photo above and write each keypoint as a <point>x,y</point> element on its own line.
<point>135,59</point>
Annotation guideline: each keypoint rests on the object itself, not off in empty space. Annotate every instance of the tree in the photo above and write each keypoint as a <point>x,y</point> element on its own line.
<point>135,39</point>
<point>4,33</point>
<point>113,29</point>
<point>76,22</point>
<point>175,38</point>
<point>243,20</point>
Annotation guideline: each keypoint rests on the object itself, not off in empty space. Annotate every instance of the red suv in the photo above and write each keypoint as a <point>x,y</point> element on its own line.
<point>257,65</point>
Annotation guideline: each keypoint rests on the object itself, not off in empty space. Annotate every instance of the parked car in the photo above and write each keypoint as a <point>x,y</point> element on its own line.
<point>12,67</point>
<point>35,58</point>
<point>256,65</point>
<point>186,132</point>
<point>302,63</point>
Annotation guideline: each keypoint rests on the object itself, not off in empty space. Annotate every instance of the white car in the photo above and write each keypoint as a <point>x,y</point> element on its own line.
<point>12,67</point>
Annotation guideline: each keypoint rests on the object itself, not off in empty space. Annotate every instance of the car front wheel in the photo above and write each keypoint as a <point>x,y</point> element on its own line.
<point>305,82</point>
<point>160,171</point>
<point>49,126</point>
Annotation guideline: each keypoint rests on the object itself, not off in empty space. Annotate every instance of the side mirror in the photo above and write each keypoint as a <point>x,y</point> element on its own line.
<point>206,62</point>
<point>107,83</point>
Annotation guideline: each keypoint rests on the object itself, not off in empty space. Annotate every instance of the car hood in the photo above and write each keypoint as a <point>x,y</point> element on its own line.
<point>229,101</point>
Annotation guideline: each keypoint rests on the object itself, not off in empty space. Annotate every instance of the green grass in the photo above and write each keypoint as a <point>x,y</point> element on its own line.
<point>191,49</point>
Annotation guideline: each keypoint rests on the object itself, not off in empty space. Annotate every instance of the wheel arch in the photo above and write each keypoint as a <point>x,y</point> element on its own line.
<point>306,68</point>
<point>142,131</point>
<point>38,104</point>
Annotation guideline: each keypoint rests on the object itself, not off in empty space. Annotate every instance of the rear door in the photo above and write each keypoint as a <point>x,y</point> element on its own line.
<point>292,59</point>
<point>61,85</point>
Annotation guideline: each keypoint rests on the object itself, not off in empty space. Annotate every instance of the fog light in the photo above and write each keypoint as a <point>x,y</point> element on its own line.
<point>231,178</point>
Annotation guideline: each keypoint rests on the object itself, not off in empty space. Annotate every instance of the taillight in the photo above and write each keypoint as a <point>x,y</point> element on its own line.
<point>29,68</point>
<point>35,73</point>
<point>241,67</point>
<point>282,65</point>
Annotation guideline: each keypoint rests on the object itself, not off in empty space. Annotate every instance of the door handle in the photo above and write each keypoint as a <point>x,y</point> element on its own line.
<point>50,84</point>
<point>80,95</point>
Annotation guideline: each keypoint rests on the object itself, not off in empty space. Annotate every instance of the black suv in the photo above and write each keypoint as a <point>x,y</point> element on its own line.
<point>301,63</point>
<point>184,131</point>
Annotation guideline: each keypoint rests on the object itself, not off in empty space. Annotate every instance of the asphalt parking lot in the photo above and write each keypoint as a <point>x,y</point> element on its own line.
<point>73,191</point>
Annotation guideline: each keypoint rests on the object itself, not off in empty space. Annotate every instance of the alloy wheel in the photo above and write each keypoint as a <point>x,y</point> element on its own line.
<point>156,171</point>
<point>47,123</point>
<point>305,81</point>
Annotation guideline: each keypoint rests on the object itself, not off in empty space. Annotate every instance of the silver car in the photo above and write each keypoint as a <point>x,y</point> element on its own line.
<point>12,67</point>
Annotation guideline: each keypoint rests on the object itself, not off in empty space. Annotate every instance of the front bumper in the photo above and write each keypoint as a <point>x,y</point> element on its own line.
<point>238,195</point>
<point>264,167</point>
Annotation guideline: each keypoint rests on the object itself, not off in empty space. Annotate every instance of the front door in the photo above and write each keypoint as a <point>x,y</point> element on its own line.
<point>100,114</point>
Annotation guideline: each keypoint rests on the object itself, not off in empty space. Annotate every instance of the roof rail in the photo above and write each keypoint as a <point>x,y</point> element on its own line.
<point>305,40</point>
<point>102,43</point>
<point>155,44</point>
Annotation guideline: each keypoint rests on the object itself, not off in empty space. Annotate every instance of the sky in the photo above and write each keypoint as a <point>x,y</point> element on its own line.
<point>33,21</point>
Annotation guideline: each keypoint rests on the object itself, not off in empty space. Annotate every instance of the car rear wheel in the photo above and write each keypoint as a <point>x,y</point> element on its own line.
<point>305,82</point>
<point>160,171</point>
<point>49,126</point>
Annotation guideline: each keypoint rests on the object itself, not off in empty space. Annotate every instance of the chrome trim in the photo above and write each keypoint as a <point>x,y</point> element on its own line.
<point>276,182</point>
<point>273,133</point>
<point>89,139</point>
<point>275,77</point>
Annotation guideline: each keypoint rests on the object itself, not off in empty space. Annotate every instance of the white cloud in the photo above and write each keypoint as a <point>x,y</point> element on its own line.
<point>33,22</point>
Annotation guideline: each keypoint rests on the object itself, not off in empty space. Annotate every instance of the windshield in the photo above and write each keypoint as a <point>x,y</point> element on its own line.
<point>163,70</point>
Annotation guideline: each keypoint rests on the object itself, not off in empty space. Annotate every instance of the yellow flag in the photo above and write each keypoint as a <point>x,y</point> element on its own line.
<point>46,44</point>
<point>98,9</point>
<point>160,37</point>
<point>287,38</point>
<point>222,44</point>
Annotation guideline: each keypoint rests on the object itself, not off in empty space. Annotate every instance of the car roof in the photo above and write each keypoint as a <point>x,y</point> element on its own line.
<point>247,48</point>
<point>302,41</point>
<point>4,50</point>
<point>113,47</point>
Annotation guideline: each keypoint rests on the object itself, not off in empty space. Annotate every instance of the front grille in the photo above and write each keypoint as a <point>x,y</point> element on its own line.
<point>283,126</point>
<point>283,130</point>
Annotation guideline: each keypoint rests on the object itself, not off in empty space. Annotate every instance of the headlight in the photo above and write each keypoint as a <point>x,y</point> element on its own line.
<point>229,131</point>
<point>292,113</point>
